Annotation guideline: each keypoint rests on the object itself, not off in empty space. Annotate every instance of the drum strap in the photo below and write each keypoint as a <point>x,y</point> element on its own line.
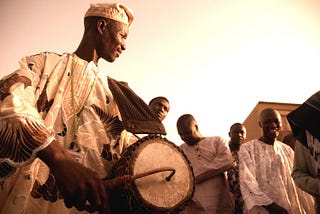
<point>306,117</point>
<point>135,113</point>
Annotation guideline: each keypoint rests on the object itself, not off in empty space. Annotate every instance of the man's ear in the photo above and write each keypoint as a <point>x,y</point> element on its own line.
<point>101,25</point>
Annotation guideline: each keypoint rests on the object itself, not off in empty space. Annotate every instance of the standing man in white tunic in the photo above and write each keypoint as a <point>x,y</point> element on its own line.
<point>265,167</point>
<point>210,157</point>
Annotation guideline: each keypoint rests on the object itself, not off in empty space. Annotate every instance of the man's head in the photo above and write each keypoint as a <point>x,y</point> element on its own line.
<point>106,30</point>
<point>160,106</point>
<point>188,129</point>
<point>237,134</point>
<point>270,122</point>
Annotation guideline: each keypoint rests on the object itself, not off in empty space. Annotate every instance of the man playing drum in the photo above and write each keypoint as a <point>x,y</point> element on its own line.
<point>56,115</point>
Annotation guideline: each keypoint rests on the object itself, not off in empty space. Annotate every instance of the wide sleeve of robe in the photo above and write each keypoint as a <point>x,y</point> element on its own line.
<point>22,129</point>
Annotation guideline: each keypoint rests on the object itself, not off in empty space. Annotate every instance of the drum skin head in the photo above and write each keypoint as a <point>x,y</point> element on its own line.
<point>153,193</point>
<point>155,189</point>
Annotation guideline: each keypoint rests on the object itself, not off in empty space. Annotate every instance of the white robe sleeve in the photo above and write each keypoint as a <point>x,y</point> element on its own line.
<point>22,130</point>
<point>249,186</point>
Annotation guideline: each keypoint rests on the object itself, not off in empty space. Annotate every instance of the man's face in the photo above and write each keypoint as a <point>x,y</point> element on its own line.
<point>113,40</point>
<point>271,124</point>
<point>188,132</point>
<point>160,107</point>
<point>238,134</point>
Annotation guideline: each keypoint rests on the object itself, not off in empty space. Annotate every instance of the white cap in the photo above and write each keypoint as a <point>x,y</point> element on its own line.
<point>116,11</point>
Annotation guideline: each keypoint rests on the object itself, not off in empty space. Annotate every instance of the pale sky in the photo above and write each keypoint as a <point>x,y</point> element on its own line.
<point>215,59</point>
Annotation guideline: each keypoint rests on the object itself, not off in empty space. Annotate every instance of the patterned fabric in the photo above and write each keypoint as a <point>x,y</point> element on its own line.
<point>209,158</point>
<point>135,113</point>
<point>265,177</point>
<point>234,183</point>
<point>50,97</point>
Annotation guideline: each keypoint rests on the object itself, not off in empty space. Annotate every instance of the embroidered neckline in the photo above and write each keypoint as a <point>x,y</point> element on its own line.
<point>76,122</point>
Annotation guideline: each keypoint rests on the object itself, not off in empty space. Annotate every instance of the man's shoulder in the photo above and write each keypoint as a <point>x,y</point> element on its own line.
<point>45,55</point>
<point>43,60</point>
<point>283,145</point>
<point>215,139</point>
<point>183,145</point>
<point>249,143</point>
<point>252,141</point>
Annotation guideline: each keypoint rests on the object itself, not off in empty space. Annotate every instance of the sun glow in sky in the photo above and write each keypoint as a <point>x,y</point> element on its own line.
<point>215,59</point>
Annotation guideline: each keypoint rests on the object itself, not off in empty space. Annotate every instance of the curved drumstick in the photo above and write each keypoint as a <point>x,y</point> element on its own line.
<point>143,174</point>
<point>117,182</point>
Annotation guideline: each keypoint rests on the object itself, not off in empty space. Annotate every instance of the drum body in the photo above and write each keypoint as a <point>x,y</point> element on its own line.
<point>153,193</point>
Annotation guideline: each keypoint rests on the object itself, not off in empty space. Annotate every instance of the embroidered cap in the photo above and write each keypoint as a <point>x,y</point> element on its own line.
<point>116,11</point>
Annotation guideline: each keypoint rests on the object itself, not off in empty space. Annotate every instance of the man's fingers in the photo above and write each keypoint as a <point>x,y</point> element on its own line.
<point>80,201</point>
<point>98,197</point>
<point>90,208</point>
<point>104,198</point>
<point>86,192</point>
<point>68,202</point>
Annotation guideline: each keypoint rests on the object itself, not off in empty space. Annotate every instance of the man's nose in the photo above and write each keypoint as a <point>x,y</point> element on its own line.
<point>123,46</point>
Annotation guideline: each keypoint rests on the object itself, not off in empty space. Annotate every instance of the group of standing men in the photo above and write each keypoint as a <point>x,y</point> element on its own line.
<point>57,114</point>
<point>259,171</point>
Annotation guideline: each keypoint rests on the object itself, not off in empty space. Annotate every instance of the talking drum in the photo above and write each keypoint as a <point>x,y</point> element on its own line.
<point>163,180</point>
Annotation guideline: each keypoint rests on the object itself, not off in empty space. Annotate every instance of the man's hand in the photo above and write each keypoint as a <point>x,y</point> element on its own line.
<point>116,183</point>
<point>79,186</point>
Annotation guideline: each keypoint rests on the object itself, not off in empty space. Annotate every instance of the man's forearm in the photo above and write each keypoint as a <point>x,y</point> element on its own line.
<point>212,173</point>
<point>52,154</point>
